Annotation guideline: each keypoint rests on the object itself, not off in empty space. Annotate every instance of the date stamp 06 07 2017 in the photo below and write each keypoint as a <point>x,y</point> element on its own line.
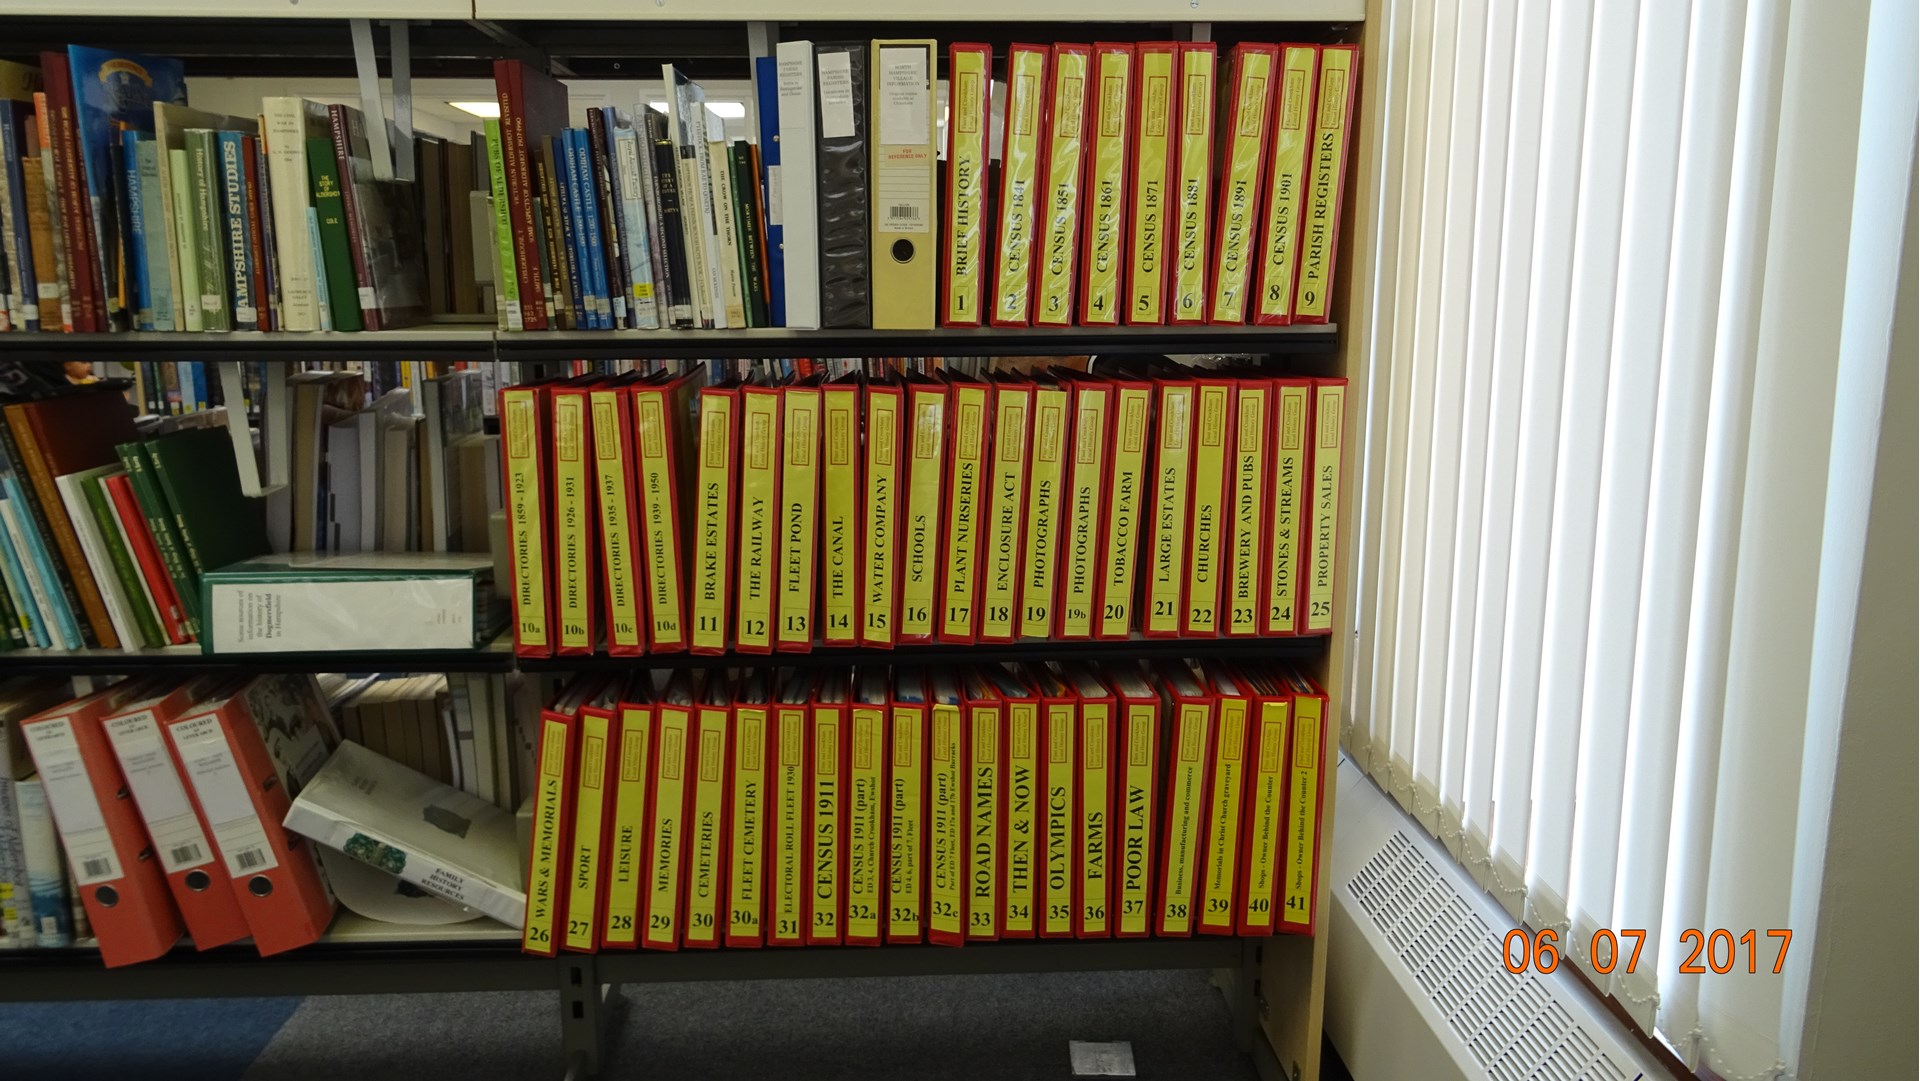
<point>1718,951</point>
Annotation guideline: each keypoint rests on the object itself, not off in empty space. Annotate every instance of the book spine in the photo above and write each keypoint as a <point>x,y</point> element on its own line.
<point>29,574</point>
<point>507,288</point>
<point>49,510</point>
<point>15,625</point>
<point>1264,829</point>
<point>56,234</point>
<point>1023,819</point>
<point>667,829</point>
<point>826,817</point>
<point>920,530</point>
<point>83,282</point>
<point>865,840</point>
<point>146,551</point>
<point>335,245</point>
<point>1120,563</point>
<point>1185,820</point>
<point>546,871</point>
<point>619,278</point>
<point>627,862</point>
<point>571,237</point>
<point>706,917</point>
<point>726,236</point>
<point>40,232</point>
<point>787,908</point>
<point>1302,871</point>
<point>286,139</point>
<point>39,551</point>
<point>208,235</point>
<point>591,237</point>
<point>156,272</point>
<point>517,164</point>
<point>235,231</point>
<point>657,247</point>
<point>1085,502</point>
<point>666,185</point>
<point>1279,250</point>
<point>340,123</point>
<point>1093,910</point>
<point>584,883</point>
<point>1133,888</point>
<point>136,232</point>
<point>1193,171</point>
<point>261,283</point>
<point>550,234</point>
<point>15,227</point>
<point>166,538</point>
<point>1060,777</point>
<point>145,619</point>
<point>753,283</point>
<point>986,804</point>
<point>636,232</point>
<point>959,590</point>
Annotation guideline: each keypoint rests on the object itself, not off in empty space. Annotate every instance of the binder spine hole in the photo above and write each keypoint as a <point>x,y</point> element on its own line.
<point>107,896</point>
<point>260,886</point>
<point>903,251</point>
<point>198,881</point>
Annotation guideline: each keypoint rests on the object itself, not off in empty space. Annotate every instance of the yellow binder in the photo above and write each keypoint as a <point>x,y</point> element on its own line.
<point>1193,175</point>
<point>1252,414</point>
<point>947,787</point>
<point>590,814</point>
<point>572,524</point>
<point>747,815</point>
<point>1224,805</point>
<point>760,460</point>
<point>840,512</point>
<point>1333,107</point>
<point>1292,399</point>
<point>959,591</point>
<point>1059,208</point>
<point>1130,480</point>
<point>901,138</point>
<point>969,77</point>
<point>613,484</point>
<point>985,786</point>
<point>1106,225</point>
<point>921,532</point>
<point>707,832</point>
<point>1250,72</point>
<point>1173,465</point>
<point>1021,150</point>
<point>1045,465</point>
<point>1208,526</point>
<point>632,781</point>
<point>1000,564</point>
<point>669,835</point>
<point>799,515</point>
<point>906,811</point>
<point>1152,205</point>
<point>715,481</point>
<point>1286,176</point>
<point>880,553</point>
<point>866,802</point>
<point>788,879</point>
<point>1329,415</point>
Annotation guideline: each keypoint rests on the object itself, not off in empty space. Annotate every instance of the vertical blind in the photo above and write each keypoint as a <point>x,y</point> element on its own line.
<point>1629,285</point>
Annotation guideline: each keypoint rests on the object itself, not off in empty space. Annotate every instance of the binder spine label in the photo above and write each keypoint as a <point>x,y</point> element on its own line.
<point>984,801</point>
<point>1172,466</point>
<point>968,81</point>
<point>1266,819</point>
<point>1001,575</point>
<point>1019,181</point>
<point>1107,185</point>
<point>589,813</point>
<point>840,507</point>
<point>946,825</point>
<point>823,845</point>
<point>799,498</point>
<point>921,541</point>
<point>1135,888</point>
<point>1062,775</point>
<point>1249,490</point>
<point>906,833</point>
<point>880,552</point>
<point>1087,482</point>
<point>1060,205</point>
<point>669,838</point>
<point>168,814</point>
<point>1322,195</point>
<point>707,832</point>
<point>1049,440</point>
<point>1240,184</point>
<point>1303,810</point>
<point>573,529</point>
<point>1096,802</point>
<point>790,879</point>
<point>1292,131</point>
<point>630,785</point>
<point>1195,163</point>
<point>520,431</point>
<point>1023,813</point>
<point>1329,411</point>
<point>1146,280</point>
<point>963,512</point>
<point>759,490</point>
<point>713,546</point>
<point>1185,818</point>
<point>613,473</point>
<point>746,887</point>
<point>1208,530</point>
<point>866,796</point>
<point>1123,518</point>
<point>1289,467</point>
<point>656,430</point>
<point>76,807</point>
<point>543,870</point>
<point>1223,817</point>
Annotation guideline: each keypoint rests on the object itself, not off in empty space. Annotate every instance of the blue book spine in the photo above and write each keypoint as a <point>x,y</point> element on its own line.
<point>239,231</point>
<point>570,226</point>
<point>13,136</point>
<point>18,587</point>
<point>158,278</point>
<point>137,229</point>
<point>767,86</point>
<point>321,296</point>
<point>581,151</point>
<point>633,215</point>
<point>54,597</point>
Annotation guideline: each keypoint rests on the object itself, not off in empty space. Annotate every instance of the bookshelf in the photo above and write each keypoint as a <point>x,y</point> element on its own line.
<point>1275,986</point>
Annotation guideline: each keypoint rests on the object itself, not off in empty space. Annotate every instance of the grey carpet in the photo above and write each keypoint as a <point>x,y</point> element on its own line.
<point>947,1028</point>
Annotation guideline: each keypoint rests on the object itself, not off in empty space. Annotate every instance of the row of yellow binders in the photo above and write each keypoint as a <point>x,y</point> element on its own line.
<point>666,513</point>
<point>905,805</point>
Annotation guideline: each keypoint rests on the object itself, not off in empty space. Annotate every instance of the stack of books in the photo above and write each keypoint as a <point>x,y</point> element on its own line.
<point>788,507</point>
<point>877,805</point>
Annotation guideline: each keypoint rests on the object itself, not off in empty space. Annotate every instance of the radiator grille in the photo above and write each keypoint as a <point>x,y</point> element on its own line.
<point>1509,1024</point>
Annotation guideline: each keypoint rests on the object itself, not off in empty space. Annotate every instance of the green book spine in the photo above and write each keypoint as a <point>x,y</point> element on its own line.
<point>166,536</point>
<point>343,293</point>
<point>209,233</point>
<point>123,566</point>
<point>746,212</point>
<point>180,178</point>
<point>13,627</point>
<point>508,287</point>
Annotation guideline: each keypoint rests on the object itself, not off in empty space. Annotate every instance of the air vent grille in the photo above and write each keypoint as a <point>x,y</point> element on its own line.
<point>1511,1025</point>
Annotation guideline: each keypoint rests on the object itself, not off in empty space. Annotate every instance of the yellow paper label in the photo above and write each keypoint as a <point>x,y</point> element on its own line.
<point>1323,190</point>
<point>630,783</point>
<point>572,526</point>
<point>840,511</point>
<point>1190,186</point>
<point>1240,198</point>
<point>1020,167</point>
<point>613,475</point>
<point>745,886</point>
<point>1123,522</point>
<point>759,518</point>
<point>1223,814</point>
<point>1000,578</point>
<point>880,554</point>
<point>1172,468</point>
<point>1289,464</point>
<point>1096,802</point>
<point>589,814</point>
<point>1267,822</point>
<point>1329,408</point>
<point>1186,818</point>
<point>1063,773</point>
<point>799,481</point>
<point>1303,826</point>
<point>519,426</point>
<point>1249,488</point>
<point>548,857</point>
<point>1135,887</point>
<point>983,825</point>
<point>663,524</point>
<point>1107,186</point>
<point>1146,284</point>
<point>968,83</point>
<point>1087,482</point>
<point>1060,214</point>
<point>866,795</point>
<point>823,846</point>
<point>925,485</point>
<point>906,832</point>
<point>963,509</point>
<point>1045,465</point>
<point>1211,431</point>
<point>946,815</point>
<point>790,878</point>
<point>1023,795</point>
<point>1292,130</point>
<point>669,829</point>
<point>713,545</point>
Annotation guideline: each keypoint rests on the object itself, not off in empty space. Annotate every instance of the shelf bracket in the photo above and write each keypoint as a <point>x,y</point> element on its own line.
<point>582,1016</point>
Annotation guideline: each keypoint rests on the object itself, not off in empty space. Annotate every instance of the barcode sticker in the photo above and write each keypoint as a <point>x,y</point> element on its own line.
<point>158,791</point>
<point>76,810</point>
<point>222,788</point>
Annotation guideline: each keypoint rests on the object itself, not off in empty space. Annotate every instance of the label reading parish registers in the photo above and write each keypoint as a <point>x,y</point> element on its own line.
<point>224,799</point>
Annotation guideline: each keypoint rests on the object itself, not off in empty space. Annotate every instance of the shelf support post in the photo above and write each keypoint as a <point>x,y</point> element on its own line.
<point>1241,986</point>
<point>582,1016</point>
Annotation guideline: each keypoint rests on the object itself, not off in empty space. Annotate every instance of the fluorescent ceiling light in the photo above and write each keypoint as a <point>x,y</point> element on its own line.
<point>486,110</point>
